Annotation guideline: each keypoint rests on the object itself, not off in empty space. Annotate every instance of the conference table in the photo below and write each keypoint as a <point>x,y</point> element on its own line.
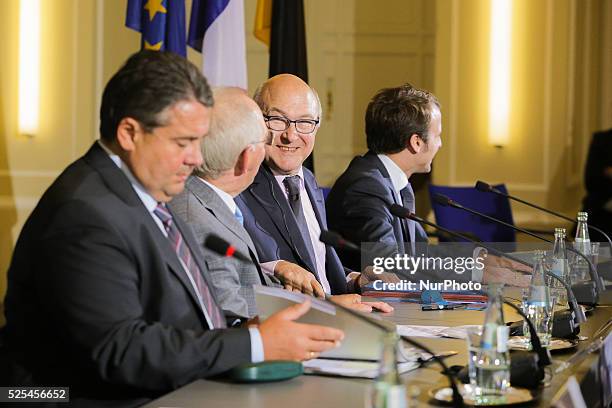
<point>592,372</point>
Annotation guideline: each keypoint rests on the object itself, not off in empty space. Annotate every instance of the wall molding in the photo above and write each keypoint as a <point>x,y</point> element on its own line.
<point>548,67</point>
<point>571,179</point>
<point>18,202</point>
<point>99,65</point>
<point>75,67</point>
<point>454,92</point>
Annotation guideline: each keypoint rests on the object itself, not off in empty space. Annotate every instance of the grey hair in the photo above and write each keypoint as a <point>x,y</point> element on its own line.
<point>258,98</point>
<point>233,127</point>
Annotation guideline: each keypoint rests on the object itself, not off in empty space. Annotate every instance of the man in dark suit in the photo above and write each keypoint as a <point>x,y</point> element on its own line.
<point>284,207</point>
<point>403,128</point>
<point>232,153</point>
<point>107,291</point>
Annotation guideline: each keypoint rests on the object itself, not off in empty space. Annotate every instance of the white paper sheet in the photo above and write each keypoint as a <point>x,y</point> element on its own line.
<point>456,332</point>
<point>347,368</point>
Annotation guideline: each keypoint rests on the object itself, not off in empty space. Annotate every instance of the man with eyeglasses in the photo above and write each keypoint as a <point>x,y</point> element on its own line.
<point>284,207</point>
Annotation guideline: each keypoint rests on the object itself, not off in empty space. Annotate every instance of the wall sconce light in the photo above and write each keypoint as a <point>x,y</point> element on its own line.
<point>499,72</point>
<point>29,66</point>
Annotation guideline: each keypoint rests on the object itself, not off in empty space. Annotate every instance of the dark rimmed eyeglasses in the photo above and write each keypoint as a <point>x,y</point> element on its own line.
<point>281,123</point>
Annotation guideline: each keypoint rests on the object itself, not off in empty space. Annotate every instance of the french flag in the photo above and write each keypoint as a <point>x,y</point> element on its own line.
<point>217,30</point>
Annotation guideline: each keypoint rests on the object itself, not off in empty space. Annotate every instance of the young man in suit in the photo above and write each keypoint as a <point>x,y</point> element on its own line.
<point>403,127</point>
<point>284,208</point>
<point>107,290</point>
<point>403,130</point>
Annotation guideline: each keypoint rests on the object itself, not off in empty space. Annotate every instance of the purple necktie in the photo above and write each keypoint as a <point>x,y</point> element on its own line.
<point>184,254</point>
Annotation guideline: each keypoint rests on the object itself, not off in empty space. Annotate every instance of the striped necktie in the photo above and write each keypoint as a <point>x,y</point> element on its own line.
<point>293,186</point>
<point>184,254</point>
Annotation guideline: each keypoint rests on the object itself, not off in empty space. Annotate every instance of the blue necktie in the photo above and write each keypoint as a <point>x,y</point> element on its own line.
<point>238,215</point>
<point>407,195</point>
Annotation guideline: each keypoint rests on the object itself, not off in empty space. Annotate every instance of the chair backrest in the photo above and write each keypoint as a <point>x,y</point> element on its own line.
<point>462,221</point>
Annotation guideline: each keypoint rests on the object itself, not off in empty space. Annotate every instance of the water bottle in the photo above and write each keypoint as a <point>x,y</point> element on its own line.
<point>559,265</point>
<point>582,243</point>
<point>493,360</point>
<point>538,306</point>
<point>388,390</point>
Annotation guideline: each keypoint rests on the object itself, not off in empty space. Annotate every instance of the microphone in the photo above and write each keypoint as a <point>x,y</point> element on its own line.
<point>220,246</point>
<point>336,241</point>
<point>487,188</point>
<point>578,313</point>
<point>585,290</point>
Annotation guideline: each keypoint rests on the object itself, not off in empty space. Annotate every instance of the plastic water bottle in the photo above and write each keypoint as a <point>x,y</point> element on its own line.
<point>559,265</point>
<point>582,243</point>
<point>493,360</point>
<point>538,306</point>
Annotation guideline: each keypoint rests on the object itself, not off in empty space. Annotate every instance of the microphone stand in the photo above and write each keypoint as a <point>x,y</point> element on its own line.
<point>445,201</point>
<point>487,188</point>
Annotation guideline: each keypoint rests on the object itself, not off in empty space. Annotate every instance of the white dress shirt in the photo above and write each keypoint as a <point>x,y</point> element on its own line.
<point>398,177</point>
<point>314,229</point>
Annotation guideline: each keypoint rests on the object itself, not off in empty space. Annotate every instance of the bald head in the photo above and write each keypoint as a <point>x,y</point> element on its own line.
<point>285,99</point>
<point>236,123</point>
<point>285,84</point>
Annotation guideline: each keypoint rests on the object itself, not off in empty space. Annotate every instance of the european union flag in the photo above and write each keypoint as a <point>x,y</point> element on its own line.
<point>161,22</point>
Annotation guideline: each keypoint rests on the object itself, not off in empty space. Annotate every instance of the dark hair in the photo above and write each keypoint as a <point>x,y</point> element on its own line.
<point>148,83</point>
<point>395,114</point>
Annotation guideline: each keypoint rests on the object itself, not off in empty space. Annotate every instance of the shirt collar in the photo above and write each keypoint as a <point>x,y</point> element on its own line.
<point>149,202</point>
<point>280,177</point>
<point>398,177</point>
<point>225,197</point>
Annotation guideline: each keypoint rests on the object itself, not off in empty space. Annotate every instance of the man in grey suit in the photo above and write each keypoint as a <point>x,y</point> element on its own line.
<point>232,154</point>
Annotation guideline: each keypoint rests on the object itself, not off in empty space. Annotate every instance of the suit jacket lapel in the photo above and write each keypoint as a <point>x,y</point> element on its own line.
<point>117,182</point>
<point>316,198</point>
<point>213,203</point>
<point>193,245</point>
<point>402,223</point>
<point>268,193</point>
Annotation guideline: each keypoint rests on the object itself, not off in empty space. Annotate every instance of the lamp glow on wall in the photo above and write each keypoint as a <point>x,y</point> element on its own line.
<point>499,72</point>
<point>29,66</point>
